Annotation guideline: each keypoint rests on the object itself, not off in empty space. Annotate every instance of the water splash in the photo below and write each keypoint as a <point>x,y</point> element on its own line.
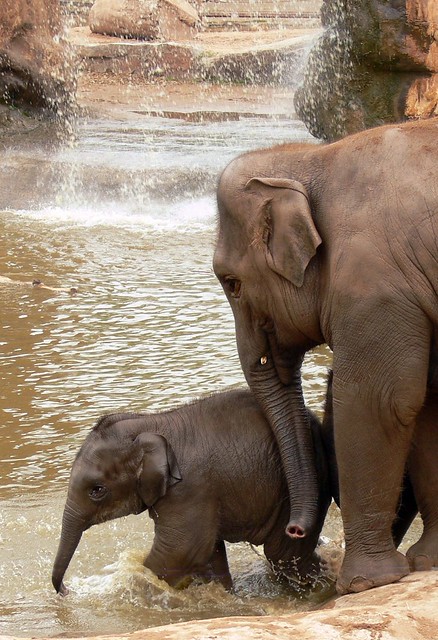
<point>128,580</point>
<point>256,589</point>
<point>195,215</point>
<point>321,101</point>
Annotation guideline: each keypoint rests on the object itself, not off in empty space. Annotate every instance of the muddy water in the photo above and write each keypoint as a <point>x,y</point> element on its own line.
<point>127,216</point>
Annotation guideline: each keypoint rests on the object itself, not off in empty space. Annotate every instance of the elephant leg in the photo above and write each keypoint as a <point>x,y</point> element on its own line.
<point>328,440</point>
<point>369,493</point>
<point>423,471</point>
<point>377,394</point>
<point>185,539</point>
<point>407,510</point>
<point>217,568</point>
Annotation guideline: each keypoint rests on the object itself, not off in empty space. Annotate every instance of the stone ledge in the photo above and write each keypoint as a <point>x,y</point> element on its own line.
<point>258,58</point>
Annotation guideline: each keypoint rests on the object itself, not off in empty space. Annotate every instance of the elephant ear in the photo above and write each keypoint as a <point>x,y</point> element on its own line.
<point>157,467</point>
<point>287,228</point>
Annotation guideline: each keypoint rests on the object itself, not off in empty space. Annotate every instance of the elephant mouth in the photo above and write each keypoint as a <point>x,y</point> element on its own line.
<point>283,360</point>
<point>113,512</point>
<point>141,508</point>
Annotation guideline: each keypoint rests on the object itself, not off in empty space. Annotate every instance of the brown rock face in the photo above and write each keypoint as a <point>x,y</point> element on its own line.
<point>144,19</point>
<point>376,62</point>
<point>34,64</point>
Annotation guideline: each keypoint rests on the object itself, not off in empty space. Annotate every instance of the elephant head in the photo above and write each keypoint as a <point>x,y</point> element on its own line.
<point>264,259</point>
<point>118,471</point>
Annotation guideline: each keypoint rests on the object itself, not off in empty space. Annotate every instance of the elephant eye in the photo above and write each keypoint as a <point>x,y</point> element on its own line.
<point>98,492</point>
<point>233,285</point>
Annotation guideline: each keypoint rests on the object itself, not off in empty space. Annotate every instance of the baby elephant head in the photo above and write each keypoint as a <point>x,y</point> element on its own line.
<point>119,470</point>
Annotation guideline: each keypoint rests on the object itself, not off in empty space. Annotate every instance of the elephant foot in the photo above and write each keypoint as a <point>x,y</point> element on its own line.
<point>362,573</point>
<point>423,555</point>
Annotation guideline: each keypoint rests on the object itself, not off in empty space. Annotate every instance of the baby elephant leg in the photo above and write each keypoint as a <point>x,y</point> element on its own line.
<point>423,471</point>
<point>179,568</point>
<point>181,552</point>
<point>217,568</point>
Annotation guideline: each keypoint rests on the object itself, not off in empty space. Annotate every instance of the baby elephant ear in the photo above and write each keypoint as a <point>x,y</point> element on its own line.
<point>157,468</point>
<point>287,227</point>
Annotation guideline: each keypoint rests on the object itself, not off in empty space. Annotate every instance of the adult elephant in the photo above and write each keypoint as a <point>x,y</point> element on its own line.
<point>337,244</point>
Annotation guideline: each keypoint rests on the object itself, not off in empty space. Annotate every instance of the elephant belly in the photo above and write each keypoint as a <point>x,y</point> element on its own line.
<point>256,522</point>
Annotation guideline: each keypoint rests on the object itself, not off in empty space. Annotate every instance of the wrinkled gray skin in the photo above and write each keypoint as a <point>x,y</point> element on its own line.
<point>210,471</point>
<point>338,244</point>
<point>407,505</point>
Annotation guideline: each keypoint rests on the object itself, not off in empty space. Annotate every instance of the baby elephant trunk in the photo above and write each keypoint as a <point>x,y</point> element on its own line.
<point>70,537</point>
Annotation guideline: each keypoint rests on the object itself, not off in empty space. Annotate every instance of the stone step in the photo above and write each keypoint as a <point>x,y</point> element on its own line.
<point>223,15</point>
<point>260,8</point>
<point>220,15</point>
<point>260,24</point>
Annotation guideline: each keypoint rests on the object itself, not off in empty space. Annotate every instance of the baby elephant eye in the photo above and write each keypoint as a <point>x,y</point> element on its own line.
<point>98,492</point>
<point>233,285</point>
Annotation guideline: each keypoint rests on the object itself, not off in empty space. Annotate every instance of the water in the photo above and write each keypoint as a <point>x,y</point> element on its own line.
<point>127,216</point>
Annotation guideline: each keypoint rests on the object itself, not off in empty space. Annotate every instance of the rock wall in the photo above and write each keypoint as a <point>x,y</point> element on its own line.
<point>376,62</point>
<point>34,62</point>
<point>165,20</point>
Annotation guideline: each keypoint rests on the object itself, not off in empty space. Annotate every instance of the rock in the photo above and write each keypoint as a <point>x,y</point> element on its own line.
<point>406,610</point>
<point>376,62</point>
<point>35,69</point>
<point>268,64</point>
<point>144,19</point>
<point>269,58</point>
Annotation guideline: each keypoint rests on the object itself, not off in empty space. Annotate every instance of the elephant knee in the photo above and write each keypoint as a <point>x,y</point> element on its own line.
<point>406,401</point>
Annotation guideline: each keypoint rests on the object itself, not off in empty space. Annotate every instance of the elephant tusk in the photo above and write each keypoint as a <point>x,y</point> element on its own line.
<point>263,359</point>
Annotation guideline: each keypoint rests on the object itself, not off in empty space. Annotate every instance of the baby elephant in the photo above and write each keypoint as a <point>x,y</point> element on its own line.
<point>209,471</point>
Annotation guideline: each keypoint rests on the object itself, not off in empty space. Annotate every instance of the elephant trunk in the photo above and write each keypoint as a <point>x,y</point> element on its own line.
<point>71,533</point>
<point>284,407</point>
